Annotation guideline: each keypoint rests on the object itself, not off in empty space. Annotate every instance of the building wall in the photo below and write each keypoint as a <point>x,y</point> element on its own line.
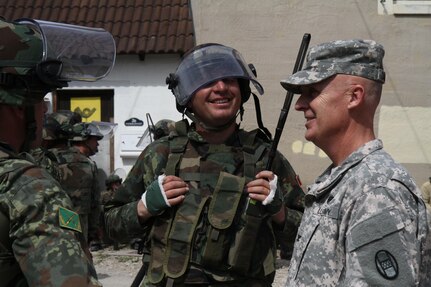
<point>268,34</point>
<point>139,88</point>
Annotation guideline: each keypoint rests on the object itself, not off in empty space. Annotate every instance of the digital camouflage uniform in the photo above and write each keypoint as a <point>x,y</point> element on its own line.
<point>206,231</point>
<point>364,222</point>
<point>380,212</point>
<point>39,232</point>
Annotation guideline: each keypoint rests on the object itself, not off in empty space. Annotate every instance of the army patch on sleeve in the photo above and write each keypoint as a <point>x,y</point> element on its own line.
<point>69,219</point>
<point>386,264</point>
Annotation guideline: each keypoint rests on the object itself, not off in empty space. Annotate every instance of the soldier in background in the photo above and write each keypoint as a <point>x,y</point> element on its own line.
<point>112,183</point>
<point>79,177</point>
<point>56,132</point>
<point>38,229</point>
<point>162,128</point>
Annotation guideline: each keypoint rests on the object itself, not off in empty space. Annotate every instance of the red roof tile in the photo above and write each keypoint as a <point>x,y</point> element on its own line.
<point>138,26</point>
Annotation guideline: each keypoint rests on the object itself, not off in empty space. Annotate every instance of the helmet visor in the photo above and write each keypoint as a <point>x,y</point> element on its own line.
<point>86,54</point>
<point>206,65</point>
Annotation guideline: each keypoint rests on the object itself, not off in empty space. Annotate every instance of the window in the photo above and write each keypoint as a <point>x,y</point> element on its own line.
<point>389,7</point>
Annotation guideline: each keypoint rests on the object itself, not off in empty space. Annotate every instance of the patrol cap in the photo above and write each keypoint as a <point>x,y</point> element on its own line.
<point>362,58</point>
<point>205,64</point>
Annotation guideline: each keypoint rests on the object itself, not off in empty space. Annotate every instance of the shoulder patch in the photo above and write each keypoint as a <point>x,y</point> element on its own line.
<point>386,264</point>
<point>69,219</point>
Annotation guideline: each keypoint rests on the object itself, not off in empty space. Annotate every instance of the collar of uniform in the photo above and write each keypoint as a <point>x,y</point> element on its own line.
<point>233,139</point>
<point>332,175</point>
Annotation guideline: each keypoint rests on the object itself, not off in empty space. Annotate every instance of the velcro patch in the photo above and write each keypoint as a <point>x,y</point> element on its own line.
<point>69,219</point>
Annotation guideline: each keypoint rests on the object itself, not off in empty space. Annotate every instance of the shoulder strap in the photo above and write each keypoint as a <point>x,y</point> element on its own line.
<point>253,149</point>
<point>177,145</point>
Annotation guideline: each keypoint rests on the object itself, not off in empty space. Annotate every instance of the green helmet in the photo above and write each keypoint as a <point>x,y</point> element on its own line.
<point>162,128</point>
<point>112,178</point>
<point>82,131</point>
<point>37,57</point>
<point>59,125</point>
<point>21,49</point>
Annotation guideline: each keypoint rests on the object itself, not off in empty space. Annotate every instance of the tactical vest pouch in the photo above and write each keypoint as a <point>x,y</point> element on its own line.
<point>241,253</point>
<point>180,238</point>
<point>158,237</point>
<point>221,213</point>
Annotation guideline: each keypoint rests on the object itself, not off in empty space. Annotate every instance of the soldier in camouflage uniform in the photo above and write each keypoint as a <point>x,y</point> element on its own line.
<point>56,132</point>
<point>364,222</point>
<point>79,177</point>
<point>112,183</point>
<point>162,128</point>
<point>39,232</point>
<point>201,195</point>
<point>77,173</point>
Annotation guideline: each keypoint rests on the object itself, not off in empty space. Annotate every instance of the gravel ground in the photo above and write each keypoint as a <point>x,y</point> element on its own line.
<point>119,268</point>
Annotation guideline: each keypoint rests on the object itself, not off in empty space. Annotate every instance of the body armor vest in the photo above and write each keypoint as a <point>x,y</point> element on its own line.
<point>211,228</point>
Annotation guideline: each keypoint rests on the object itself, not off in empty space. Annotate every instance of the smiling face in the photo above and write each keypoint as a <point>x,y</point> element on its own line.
<point>218,102</point>
<point>325,108</point>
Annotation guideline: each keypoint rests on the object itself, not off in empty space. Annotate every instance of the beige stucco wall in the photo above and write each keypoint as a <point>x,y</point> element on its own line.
<point>268,34</point>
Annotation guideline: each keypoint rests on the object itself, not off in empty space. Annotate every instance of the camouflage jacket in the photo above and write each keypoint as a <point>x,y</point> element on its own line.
<point>79,180</point>
<point>364,225</point>
<point>122,221</point>
<point>41,232</point>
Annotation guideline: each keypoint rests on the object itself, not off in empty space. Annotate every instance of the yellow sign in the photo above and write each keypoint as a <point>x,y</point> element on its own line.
<point>88,107</point>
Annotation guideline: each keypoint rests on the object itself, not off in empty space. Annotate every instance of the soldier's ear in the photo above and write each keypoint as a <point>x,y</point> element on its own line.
<point>356,95</point>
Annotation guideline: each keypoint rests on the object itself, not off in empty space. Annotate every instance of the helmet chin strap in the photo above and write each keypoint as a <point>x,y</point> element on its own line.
<point>213,128</point>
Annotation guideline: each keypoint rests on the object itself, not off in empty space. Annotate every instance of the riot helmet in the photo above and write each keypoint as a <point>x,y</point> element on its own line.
<point>38,57</point>
<point>41,56</point>
<point>208,63</point>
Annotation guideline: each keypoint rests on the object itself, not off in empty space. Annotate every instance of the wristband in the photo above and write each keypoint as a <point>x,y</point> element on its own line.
<point>273,188</point>
<point>154,198</point>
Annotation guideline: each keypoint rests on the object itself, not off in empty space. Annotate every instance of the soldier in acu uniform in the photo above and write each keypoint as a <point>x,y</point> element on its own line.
<point>364,222</point>
<point>201,195</point>
<point>38,229</point>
